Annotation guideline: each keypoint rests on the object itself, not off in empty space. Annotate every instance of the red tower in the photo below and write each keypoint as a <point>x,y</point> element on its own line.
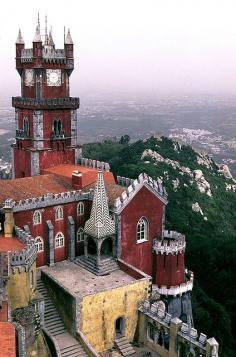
<point>45,114</point>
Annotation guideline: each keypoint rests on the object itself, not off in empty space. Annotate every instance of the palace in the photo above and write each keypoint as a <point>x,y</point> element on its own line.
<point>109,277</point>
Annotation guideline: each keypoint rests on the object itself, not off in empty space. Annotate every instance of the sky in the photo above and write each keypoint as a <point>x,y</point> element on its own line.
<point>131,46</point>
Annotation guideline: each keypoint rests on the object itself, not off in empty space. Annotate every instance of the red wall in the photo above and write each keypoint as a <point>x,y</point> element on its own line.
<point>48,213</point>
<point>146,204</point>
<point>169,270</point>
<point>53,158</point>
<point>22,163</point>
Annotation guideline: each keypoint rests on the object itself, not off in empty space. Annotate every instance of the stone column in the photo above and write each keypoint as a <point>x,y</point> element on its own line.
<point>99,244</point>
<point>212,347</point>
<point>86,245</point>
<point>50,243</point>
<point>113,247</point>
<point>175,325</point>
<point>71,237</point>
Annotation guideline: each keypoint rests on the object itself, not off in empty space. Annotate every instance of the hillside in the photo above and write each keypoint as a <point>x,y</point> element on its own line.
<point>202,205</point>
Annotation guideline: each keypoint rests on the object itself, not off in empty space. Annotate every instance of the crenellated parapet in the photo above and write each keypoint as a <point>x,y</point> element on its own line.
<point>50,199</point>
<point>171,242</point>
<point>94,164</point>
<point>179,289</point>
<point>46,103</point>
<point>132,186</point>
<point>167,333</point>
<point>24,258</point>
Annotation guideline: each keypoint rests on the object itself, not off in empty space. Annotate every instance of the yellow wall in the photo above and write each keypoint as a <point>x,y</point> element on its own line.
<point>18,287</point>
<point>99,312</point>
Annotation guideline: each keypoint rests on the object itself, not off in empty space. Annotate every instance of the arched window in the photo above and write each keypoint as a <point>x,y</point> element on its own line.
<point>80,235</point>
<point>80,209</point>
<point>59,213</point>
<point>142,230</point>
<point>26,126</point>
<point>59,240</point>
<point>57,127</point>
<point>37,217</point>
<point>39,244</point>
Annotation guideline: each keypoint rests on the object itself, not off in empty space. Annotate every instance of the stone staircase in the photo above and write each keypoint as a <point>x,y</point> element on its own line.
<point>106,265</point>
<point>69,346</point>
<point>125,347</point>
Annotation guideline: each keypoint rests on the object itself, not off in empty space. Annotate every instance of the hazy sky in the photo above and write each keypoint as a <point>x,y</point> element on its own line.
<point>144,46</point>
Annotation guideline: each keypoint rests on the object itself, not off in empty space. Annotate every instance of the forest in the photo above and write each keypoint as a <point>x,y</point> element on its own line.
<point>210,225</point>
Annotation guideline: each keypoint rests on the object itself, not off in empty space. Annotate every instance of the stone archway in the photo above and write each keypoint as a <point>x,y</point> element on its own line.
<point>107,247</point>
<point>120,327</point>
<point>92,247</point>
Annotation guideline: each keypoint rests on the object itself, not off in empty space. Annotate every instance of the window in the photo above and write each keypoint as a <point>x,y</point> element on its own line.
<point>59,240</point>
<point>59,213</point>
<point>80,235</point>
<point>142,230</point>
<point>37,217</point>
<point>39,244</point>
<point>26,126</point>
<point>31,278</point>
<point>80,209</point>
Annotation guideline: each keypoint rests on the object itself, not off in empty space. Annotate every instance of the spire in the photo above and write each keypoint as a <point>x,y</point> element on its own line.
<point>68,40</point>
<point>50,39</point>
<point>37,36</point>
<point>46,31</point>
<point>100,224</point>
<point>19,39</point>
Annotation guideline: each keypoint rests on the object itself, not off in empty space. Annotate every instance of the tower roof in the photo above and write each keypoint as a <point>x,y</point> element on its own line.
<point>37,36</point>
<point>50,39</point>
<point>68,40</point>
<point>19,39</point>
<point>100,224</point>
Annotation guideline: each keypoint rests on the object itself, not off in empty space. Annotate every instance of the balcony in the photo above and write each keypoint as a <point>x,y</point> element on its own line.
<point>171,243</point>
<point>58,135</point>
<point>21,134</point>
<point>50,103</point>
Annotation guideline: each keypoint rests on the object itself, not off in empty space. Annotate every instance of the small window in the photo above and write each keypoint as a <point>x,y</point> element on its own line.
<point>59,240</point>
<point>39,244</point>
<point>31,278</point>
<point>80,235</point>
<point>80,209</point>
<point>37,217</point>
<point>59,213</point>
<point>142,230</point>
<point>26,126</point>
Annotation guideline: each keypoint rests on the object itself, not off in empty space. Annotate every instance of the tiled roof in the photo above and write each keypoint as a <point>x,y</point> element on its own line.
<point>113,191</point>
<point>7,340</point>
<point>10,244</point>
<point>29,187</point>
<point>89,175</point>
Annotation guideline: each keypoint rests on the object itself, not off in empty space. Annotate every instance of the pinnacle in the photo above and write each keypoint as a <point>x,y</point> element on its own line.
<point>19,39</point>
<point>37,36</point>
<point>68,40</point>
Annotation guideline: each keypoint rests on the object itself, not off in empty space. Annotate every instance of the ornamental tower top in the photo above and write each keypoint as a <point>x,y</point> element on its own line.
<point>46,118</point>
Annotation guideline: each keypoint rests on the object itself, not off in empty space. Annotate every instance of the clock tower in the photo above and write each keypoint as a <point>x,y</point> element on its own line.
<point>45,114</point>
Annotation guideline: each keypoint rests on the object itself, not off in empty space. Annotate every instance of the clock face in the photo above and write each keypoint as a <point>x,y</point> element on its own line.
<point>29,77</point>
<point>53,77</point>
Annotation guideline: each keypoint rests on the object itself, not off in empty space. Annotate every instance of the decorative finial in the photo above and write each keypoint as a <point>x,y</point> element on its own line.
<point>19,39</point>
<point>68,40</point>
<point>38,22</point>
<point>50,39</point>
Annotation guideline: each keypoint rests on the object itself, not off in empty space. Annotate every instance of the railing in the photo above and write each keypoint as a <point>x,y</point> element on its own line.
<point>58,135</point>
<point>52,53</point>
<point>21,134</point>
<point>27,255</point>
<point>171,242</point>
<point>50,103</point>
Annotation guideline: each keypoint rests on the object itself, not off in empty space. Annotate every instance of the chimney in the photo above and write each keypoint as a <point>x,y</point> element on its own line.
<point>9,219</point>
<point>77,180</point>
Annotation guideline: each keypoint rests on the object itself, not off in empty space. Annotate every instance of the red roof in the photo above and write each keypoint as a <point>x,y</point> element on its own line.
<point>89,175</point>
<point>10,244</point>
<point>113,191</point>
<point>7,340</point>
<point>29,187</point>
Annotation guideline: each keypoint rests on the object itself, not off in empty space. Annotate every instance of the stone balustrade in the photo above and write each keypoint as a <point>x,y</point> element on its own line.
<point>49,103</point>
<point>94,164</point>
<point>172,242</point>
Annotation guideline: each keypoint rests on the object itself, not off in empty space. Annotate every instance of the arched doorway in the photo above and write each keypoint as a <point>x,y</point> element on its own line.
<point>120,327</point>
<point>106,248</point>
<point>92,248</point>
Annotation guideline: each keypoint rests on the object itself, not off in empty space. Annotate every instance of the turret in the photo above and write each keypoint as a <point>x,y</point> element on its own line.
<point>37,46</point>
<point>20,45</point>
<point>69,52</point>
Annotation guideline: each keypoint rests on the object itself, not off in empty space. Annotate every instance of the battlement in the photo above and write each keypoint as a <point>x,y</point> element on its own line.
<point>179,289</point>
<point>27,255</point>
<point>50,103</point>
<point>160,323</point>
<point>94,164</point>
<point>50,199</point>
<point>172,242</point>
<point>133,186</point>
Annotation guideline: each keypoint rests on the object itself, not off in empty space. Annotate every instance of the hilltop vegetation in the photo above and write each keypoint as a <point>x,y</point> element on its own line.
<point>202,205</point>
